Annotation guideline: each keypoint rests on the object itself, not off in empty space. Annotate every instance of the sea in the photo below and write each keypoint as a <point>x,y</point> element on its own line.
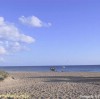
<point>61,68</point>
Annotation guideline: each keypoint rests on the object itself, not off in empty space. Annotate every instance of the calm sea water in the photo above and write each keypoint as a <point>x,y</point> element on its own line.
<point>74,68</point>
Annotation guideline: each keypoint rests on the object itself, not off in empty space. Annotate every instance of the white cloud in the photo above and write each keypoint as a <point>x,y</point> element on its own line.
<point>33,21</point>
<point>10,32</point>
<point>2,50</point>
<point>11,39</point>
<point>1,21</point>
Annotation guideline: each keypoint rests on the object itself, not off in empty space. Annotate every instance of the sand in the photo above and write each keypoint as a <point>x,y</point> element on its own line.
<point>52,85</point>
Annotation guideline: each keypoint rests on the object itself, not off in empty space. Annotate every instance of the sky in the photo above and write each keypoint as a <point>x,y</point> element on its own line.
<point>49,32</point>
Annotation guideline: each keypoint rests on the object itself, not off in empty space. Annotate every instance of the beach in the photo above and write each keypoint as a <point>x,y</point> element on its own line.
<point>52,85</point>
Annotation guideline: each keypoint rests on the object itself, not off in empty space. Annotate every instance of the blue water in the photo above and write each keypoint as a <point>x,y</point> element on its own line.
<point>71,68</point>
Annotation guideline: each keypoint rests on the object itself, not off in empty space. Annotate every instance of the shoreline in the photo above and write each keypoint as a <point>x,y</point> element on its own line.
<point>52,72</point>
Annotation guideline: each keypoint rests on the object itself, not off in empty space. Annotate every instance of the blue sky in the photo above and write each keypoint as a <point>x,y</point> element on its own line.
<point>49,32</point>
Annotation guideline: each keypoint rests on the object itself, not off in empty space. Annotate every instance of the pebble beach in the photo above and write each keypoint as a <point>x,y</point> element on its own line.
<point>51,85</point>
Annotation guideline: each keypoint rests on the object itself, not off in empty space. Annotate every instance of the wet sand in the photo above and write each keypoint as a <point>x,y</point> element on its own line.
<point>52,85</point>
